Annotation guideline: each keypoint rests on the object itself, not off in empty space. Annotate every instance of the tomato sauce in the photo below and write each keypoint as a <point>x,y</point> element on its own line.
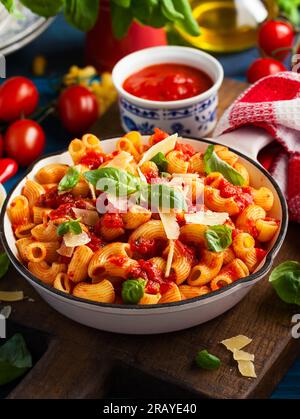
<point>241,195</point>
<point>167,82</point>
<point>112,221</point>
<point>96,242</point>
<point>92,160</point>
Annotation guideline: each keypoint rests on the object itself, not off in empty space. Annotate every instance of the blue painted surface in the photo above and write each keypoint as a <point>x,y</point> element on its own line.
<point>63,46</point>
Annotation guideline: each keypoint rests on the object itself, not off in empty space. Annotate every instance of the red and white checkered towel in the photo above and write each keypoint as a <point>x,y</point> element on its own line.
<point>273,103</point>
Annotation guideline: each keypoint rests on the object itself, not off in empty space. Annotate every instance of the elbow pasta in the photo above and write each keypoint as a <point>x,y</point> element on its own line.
<point>136,244</point>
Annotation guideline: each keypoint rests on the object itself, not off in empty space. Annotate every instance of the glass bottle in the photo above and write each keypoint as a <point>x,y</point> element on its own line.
<point>226,25</point>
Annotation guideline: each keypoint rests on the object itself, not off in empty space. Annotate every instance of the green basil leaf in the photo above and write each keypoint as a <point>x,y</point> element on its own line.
<point>4,264</point>
<point>75,227</point>
<point>15,359</point>
<point>285,279</point>
<point>133,290</point>
<point>162,196</point>
<point>10,6</point>
<point>71,226</point>
<point>122,3</point>
<point>189,23</point>
<point>70,180</point>
<point>160,161</point>
<point>207,361</point>
<point>121,19</point>
<point>81,13</point>
<point>115,181</point>
<point>43,7</point>
<point>168,9</point>
<point>156,18</point>
<point>213,163</point>
<point>218,238</point>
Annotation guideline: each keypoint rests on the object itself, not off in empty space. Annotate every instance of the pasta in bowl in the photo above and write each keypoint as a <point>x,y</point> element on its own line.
<point>144,234</point>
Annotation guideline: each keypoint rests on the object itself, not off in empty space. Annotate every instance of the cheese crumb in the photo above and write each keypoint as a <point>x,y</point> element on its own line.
<point>236,342</point>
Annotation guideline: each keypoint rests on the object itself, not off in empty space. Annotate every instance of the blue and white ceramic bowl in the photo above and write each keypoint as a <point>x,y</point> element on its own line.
<point>194,117</point>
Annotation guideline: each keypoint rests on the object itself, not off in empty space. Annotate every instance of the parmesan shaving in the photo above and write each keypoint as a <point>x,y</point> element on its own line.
<point>6,311</point>
<point>239,355</point>
<point>88,217</point>
<point>92,189</point>
<point>246,368</point>
<point>11,296</point>
<point>164,146</point>
<point>73,240</point>
<point>170,258</point>
<point>141,175</point>
<point>120,161</point>
<point>65,250</point>
<point>170,224</point>
<point>236,342</point>
<point>208,218</point>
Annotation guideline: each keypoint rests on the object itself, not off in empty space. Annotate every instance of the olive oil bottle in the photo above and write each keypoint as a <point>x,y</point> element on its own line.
<point>226,25</point>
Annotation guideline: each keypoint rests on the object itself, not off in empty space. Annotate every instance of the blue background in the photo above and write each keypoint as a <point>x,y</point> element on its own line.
<point>63,46</point>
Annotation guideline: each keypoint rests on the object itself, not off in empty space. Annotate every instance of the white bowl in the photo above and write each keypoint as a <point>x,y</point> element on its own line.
<point>194,117</point>
<point>135,319</point>
<point>2,195</point>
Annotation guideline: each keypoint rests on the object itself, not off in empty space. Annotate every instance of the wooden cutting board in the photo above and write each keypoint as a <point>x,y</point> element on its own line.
<point>78,362</point>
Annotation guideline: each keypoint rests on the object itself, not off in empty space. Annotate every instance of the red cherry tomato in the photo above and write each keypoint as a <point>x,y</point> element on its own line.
<point>1,145</point>
<point>24,141</point>
<point>8,168</point>
<point>276,38</point>
<point>18,96</point>
<point>263,67</point>
<point>78,109</point>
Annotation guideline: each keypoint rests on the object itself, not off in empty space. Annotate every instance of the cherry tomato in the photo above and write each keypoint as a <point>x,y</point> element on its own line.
<point>24,141</point>
<point>8,168</point>
<point>78,109</point>
<point>276,38</point>
<point>1,145</point>
<point>263,67</point>
<point>18,97</point>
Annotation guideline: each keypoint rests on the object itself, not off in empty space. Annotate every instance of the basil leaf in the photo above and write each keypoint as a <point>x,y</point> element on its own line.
<point>218,238</point>
<point>71,226</point>
<point>4,264</point>
<point>213,163</point>
<point>189,23</point>
<point>207,361</point>
<point>15,359</point>
<point>162,196</point>
<point>168,9</point>
<point>285,279</point>
<point>44,8</point>
<point>81,13</point>
<point>133,290</point>
<point>70,180</point>
<point>122,3</point>
<point>160,161</point>
<point>114,181</point>
<point>10,6</point>
<point>121,19</point>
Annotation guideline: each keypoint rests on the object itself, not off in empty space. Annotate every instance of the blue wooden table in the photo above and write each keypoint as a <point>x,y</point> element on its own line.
<point>63,46</point>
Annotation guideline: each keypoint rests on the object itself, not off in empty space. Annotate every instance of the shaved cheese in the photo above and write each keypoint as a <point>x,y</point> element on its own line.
<point>208,218</point>
<point>170,224</point>
<point>239,355</point>
<point>88,217</point>
<point>170,258</point>
<point>164,146</point>
<point>236,342</point>
<point>92,189</point>
<point>72,240</point>
<point>6,311</point>
<point>141,175</point>
<point>65,250</point>
<point>11,296</point>
<point>120,161</point>
<point>246,368</point>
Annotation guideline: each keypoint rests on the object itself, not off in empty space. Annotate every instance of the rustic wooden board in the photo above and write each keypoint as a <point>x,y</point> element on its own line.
<point>81,362</point>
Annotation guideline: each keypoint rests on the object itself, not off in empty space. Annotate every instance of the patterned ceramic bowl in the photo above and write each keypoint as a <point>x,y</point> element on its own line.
<point>194,117</point>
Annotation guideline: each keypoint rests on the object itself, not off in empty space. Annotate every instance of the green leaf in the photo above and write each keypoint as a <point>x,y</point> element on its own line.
<point>290,9</point>
<point>81,13</point>
<point>160,161</point>
<point>10,6</point>
<point>218,238</point>
<point>71,226</point>
<point>207,361</point>
<point>70,180</point>
<point>162,196</point>
<point>142,11</point>
<point>121,19</point>
<point>189,23</point>
<point>157,19</point>
<point>4,264</point>
<point>15,359</point>
<point>133,290</point>
<point>44,8</point>
<point>285,279</point>
<point>122,3</point>
<point>213,163</point>
<point>168,9</point>
<point>115,181</point>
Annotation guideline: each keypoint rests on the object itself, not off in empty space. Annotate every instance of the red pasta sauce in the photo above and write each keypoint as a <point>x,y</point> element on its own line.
<point>167,82</point>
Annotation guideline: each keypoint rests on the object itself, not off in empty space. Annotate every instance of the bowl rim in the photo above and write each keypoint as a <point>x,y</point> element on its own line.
<point>175,103</point>
<point>254,277</point>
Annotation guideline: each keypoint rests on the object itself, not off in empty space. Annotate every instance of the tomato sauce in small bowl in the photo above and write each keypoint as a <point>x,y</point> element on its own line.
<point>167,82</point>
